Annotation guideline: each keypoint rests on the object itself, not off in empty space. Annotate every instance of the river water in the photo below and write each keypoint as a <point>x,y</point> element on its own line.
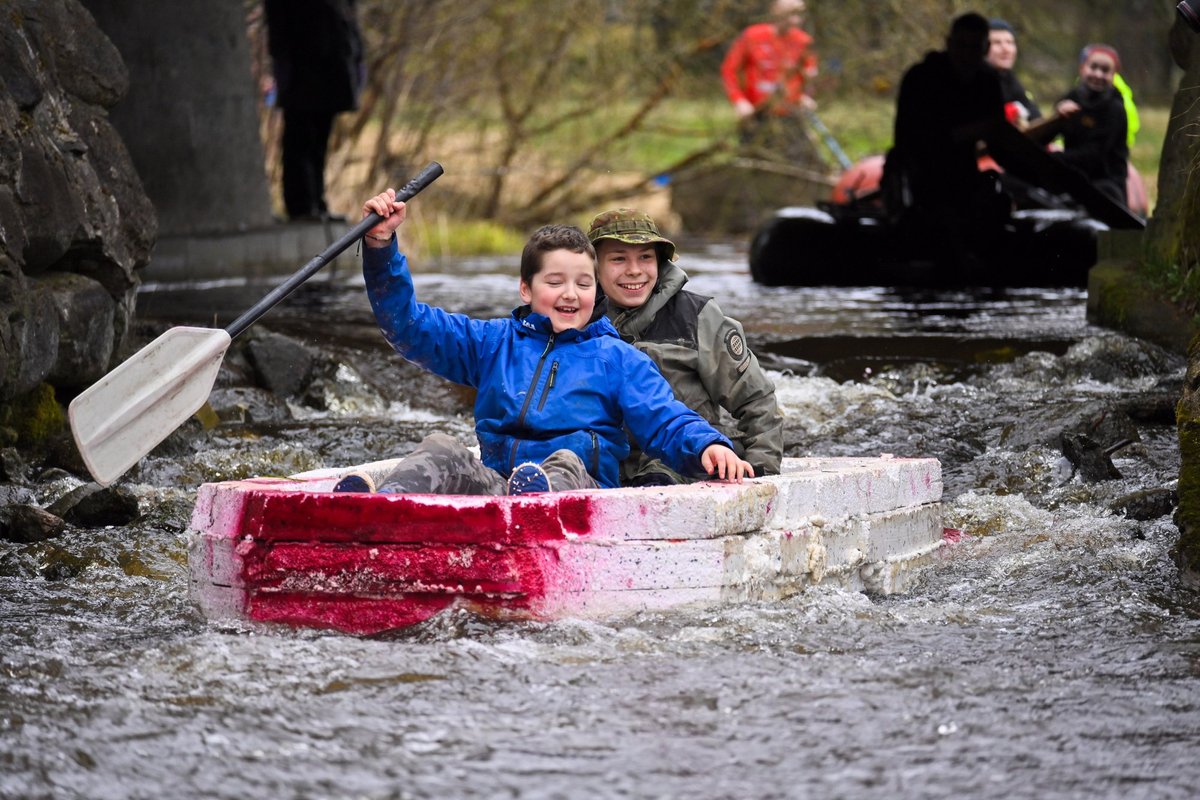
<point>1051,653</point>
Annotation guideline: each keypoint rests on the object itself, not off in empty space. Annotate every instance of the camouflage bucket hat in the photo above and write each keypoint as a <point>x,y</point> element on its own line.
<point>630,226</point>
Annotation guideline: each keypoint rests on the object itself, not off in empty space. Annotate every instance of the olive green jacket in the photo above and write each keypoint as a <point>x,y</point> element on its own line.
<point>704,356</point>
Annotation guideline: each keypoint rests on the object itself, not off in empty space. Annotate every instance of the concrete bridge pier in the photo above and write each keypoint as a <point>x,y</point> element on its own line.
<point>190,123</point>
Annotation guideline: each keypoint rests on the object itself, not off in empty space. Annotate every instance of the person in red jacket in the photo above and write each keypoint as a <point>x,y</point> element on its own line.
<point>767,69</point>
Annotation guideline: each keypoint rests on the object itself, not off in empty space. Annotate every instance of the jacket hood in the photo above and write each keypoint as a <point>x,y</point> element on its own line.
<point>524,319</point>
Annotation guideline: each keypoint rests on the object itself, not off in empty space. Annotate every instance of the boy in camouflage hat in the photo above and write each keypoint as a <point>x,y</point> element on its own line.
<point>559,393</point>
<point>701,352</point>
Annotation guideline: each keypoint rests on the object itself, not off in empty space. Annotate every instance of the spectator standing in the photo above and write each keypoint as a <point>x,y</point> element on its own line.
<point>317,60</point>
<point>766,73</point>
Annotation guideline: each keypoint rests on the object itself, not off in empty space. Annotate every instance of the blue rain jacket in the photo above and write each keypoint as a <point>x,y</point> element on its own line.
<point>539,391</point>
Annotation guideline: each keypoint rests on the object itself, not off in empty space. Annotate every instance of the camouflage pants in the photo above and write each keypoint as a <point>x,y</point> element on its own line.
<point>441,465</point>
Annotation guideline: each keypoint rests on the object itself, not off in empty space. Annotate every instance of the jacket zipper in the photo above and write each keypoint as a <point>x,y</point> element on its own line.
<point>595,454</point>
<point>537,374</point>
<point>549,386</point>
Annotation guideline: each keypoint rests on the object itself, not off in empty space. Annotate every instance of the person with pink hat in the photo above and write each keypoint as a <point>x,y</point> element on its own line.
<point>1094,139</point>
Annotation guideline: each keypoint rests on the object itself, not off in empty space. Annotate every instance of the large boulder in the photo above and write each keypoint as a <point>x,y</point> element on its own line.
<point>1173,237</point>
<point>75,224</point>
<point>1187,515</point>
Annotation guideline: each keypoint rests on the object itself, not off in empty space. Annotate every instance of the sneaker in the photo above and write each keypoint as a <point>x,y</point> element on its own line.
<point>528,478</point>
<point>355,482</point>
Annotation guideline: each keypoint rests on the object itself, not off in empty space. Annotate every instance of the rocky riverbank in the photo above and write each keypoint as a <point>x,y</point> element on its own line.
<point>1120,297</point>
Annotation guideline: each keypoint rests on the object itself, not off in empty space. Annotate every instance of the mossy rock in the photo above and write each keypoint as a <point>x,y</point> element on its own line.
<point>1120,297</point>
<point>1187,516</point>
<point>35,417</point>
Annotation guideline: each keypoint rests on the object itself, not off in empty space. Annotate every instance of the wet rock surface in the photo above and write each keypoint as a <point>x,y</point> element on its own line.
<point>77,224</point>
<point>29,523</point>
<point>1188,515</point>
<point>281,364</point>
<point>1147,504</point>
<point>92,505</point>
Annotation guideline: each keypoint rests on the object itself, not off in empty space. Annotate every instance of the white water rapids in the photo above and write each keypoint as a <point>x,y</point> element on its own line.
<point>1050,654</point>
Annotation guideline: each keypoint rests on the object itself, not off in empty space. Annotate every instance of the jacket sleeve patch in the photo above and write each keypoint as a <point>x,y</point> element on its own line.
<point>735,345</point>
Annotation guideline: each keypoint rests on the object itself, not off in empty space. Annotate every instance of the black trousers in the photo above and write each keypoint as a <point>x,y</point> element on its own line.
<point>305,144</point>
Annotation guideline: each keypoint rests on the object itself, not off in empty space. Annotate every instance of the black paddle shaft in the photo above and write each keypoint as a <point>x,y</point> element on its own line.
<point>406,192</point>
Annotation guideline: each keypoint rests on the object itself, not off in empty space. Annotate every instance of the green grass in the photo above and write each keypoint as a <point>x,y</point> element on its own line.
<point>442,237</point>
<point>676,129</point>
<point>680,127</point>
<point>862,125</point>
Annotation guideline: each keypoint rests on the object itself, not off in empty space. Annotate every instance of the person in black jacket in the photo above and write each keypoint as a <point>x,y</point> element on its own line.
<point>317,59</point>
<point>931,182</point>
<point>1019,107</point>
<point>1094,139</point>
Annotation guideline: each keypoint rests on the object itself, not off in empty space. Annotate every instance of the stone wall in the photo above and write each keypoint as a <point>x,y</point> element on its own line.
<point>75,222</point>
<point>1173,237</point>
<point>1187,516</point>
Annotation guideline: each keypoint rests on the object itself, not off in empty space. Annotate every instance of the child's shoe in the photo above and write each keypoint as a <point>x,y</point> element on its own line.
<point>355,482</point>
<point>528,478</point>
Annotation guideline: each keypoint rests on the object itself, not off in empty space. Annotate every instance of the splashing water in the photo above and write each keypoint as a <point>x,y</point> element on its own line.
<point>1051,653</point>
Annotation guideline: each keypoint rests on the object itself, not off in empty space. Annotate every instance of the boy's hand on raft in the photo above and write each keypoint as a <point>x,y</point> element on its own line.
<point>384,204</point>
<point>722,463</point>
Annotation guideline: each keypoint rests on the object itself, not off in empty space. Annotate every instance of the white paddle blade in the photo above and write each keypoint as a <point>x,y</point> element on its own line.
<point>125,414</point>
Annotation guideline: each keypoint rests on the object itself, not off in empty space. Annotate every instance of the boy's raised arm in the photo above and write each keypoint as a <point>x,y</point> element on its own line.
<point>444,343</point>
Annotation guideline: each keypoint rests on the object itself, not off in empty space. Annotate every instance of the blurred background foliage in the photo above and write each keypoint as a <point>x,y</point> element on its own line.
<point>546,111</point>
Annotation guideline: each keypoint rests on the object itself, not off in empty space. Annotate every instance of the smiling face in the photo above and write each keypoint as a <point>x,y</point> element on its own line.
<point>1097,71</point>
<point>1002,49</point>
<point>627,272</point>
<point>563,290</point>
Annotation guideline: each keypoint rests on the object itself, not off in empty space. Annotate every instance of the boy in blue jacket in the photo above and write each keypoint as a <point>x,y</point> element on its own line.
<point>556,385</point>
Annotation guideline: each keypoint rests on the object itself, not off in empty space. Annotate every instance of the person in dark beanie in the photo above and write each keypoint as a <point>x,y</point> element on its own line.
<point>317,60</point>
<point>1019,107</point>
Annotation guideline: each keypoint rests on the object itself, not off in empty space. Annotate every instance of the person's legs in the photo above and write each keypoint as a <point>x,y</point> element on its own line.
<point>297,201</point>
<point>441,465</point>
<point>645,471</point>
<point>305,144</point>
<point>566,472</point>
<point>322,128</point>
